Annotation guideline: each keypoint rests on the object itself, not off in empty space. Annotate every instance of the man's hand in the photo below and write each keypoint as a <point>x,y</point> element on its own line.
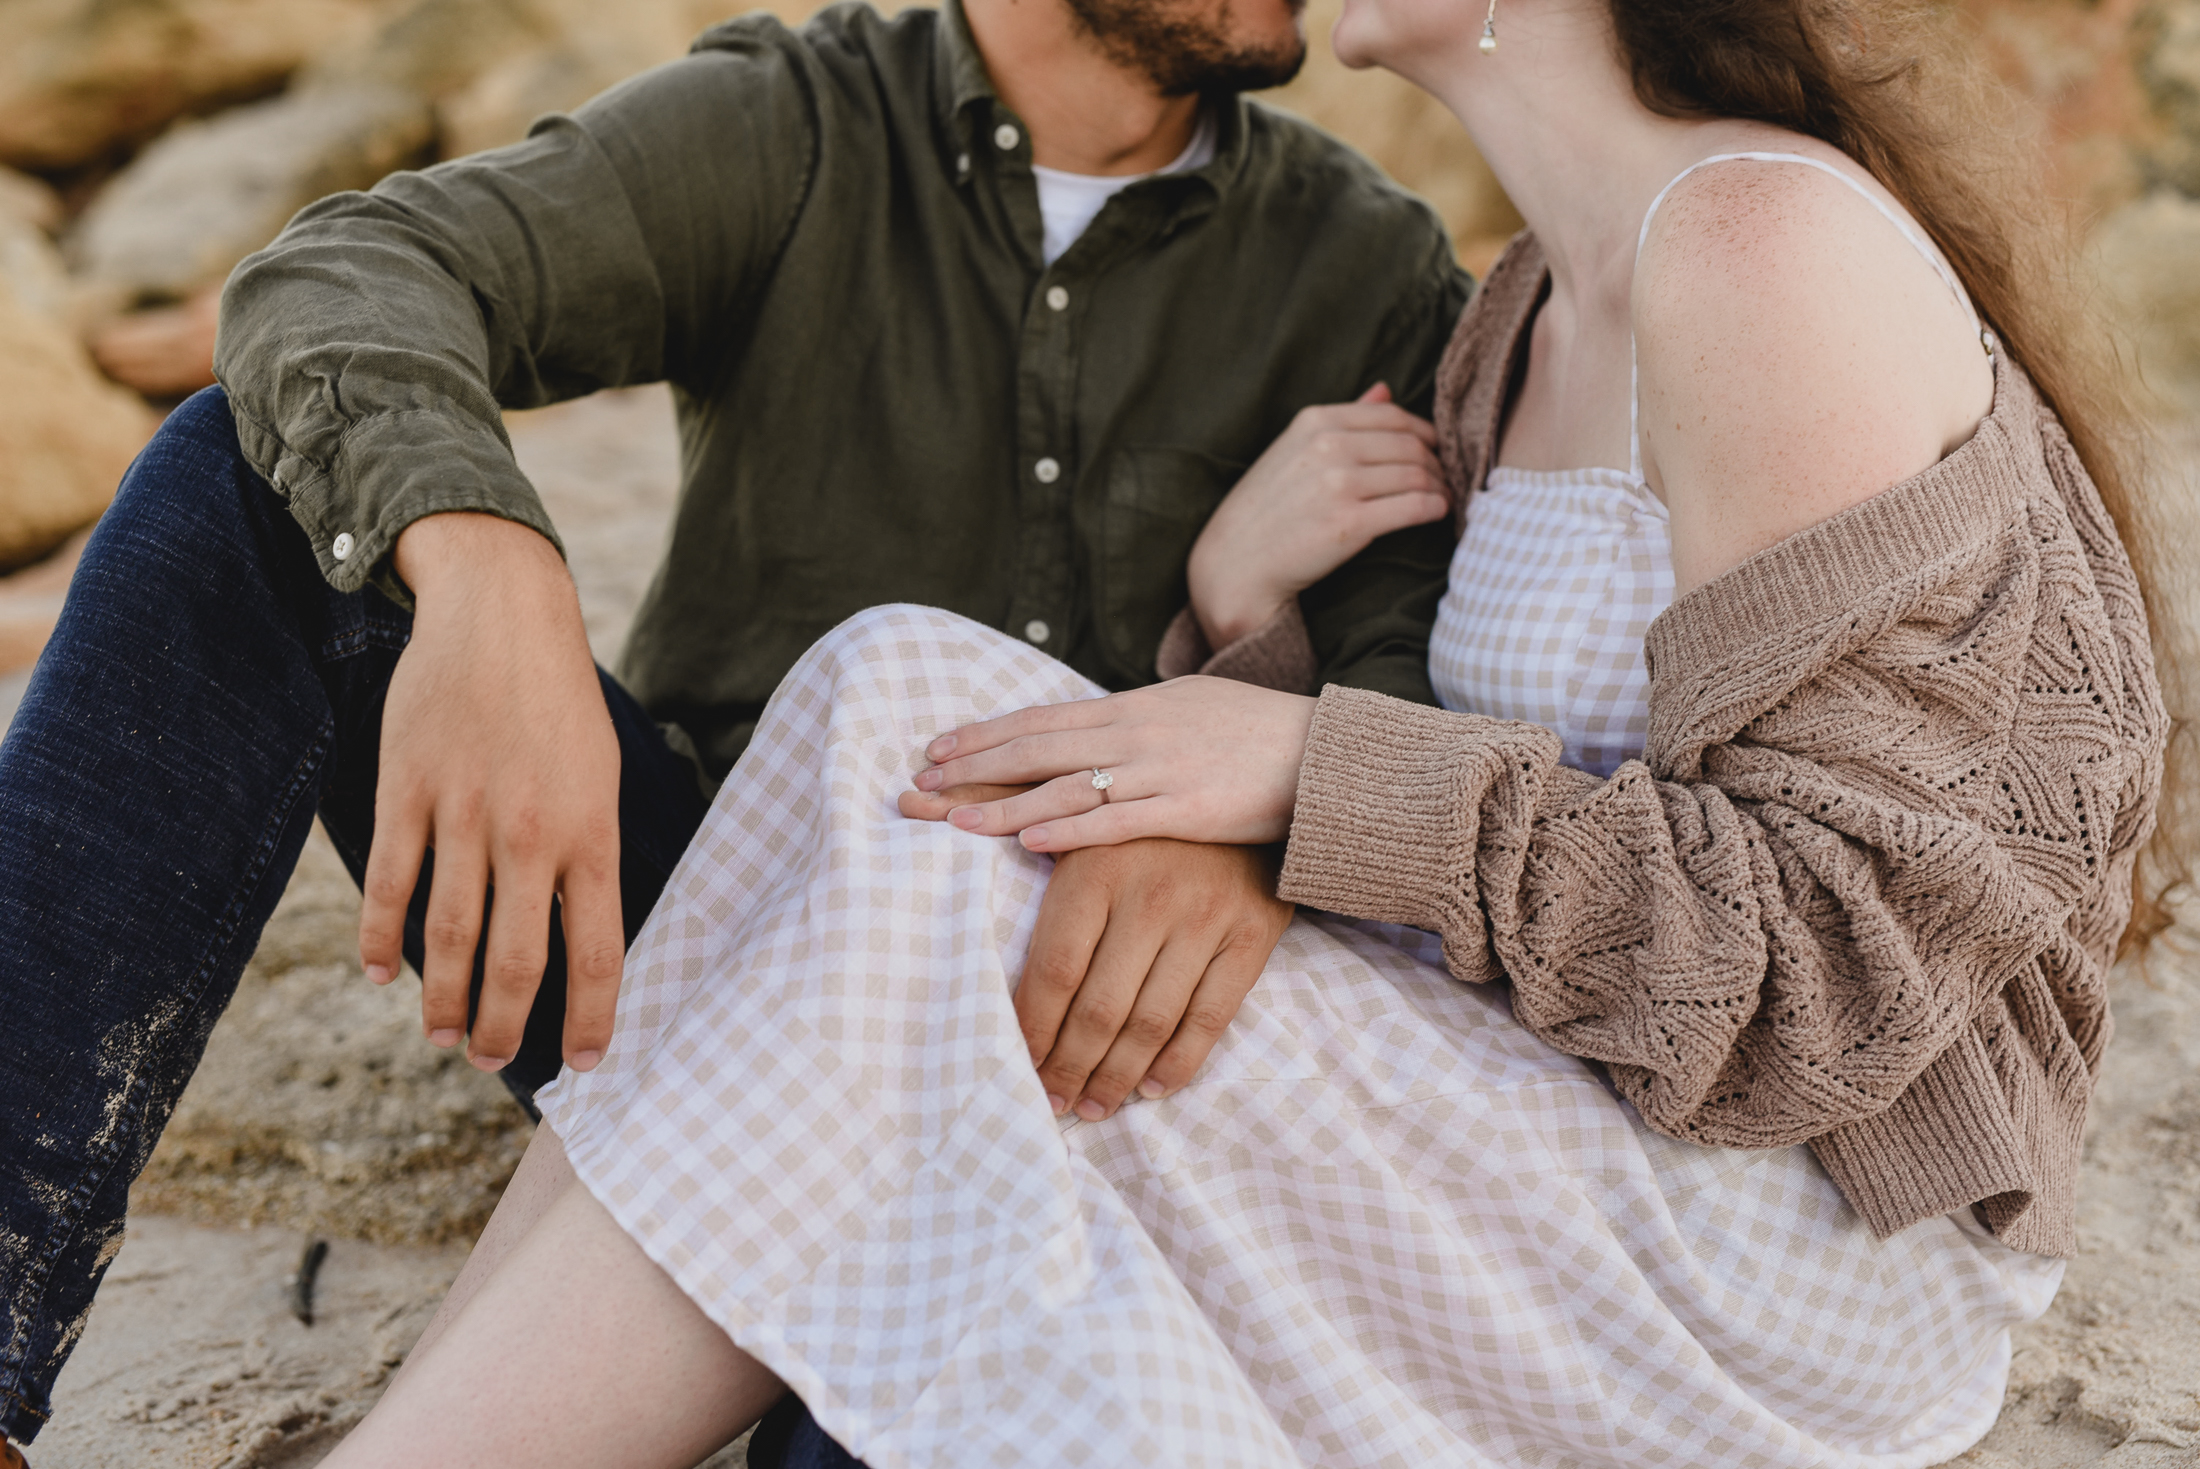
<point>1142,954</point>
<point>498,752</point>
<point>1338,477</point>
<point>1140,958</point>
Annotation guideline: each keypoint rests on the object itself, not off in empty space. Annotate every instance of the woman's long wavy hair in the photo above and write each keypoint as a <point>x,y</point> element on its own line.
<point>1892,85</point>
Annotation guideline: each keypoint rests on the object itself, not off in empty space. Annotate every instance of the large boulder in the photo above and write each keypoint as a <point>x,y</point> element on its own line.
<point>2169,38</point>
<point>30,268</point>
<point>66,434</point>
<point>2148,257</point>
<point>580,50</point>
<point>436,48</point>
<point>28,201</point>
<point>210,193</point>
<point>82,81</point>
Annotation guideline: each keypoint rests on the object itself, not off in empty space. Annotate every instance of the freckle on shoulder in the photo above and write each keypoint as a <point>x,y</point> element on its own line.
<point>1737,232</point>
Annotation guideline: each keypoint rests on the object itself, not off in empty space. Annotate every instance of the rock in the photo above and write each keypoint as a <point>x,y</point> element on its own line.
<point>436,48</point>
<point>31,272</point>
<point>2145,254</point>
<point>210,193</point>
<point>2170,68</point>
<point>66,434</point>
<point>84,80</point>
<point>30,605</point>
<point>25,200</point>
<point>586,51</point>
<point>164,352</point>
<point>2074,66</point>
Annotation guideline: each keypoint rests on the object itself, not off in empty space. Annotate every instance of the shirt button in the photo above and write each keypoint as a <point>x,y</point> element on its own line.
<point>341,546</point>
<point>962,163</point>
<point>1057,298</point>
<point>1005,137</point>
<point>1047,470</point>
<point>1036,631</point>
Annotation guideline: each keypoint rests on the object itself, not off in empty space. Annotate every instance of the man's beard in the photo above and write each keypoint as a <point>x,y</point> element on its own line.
<point>1184,56</point>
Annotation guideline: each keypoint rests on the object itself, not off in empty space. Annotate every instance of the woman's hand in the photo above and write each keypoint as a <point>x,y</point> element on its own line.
<point>1338,477</point>
<point>1198,759</point>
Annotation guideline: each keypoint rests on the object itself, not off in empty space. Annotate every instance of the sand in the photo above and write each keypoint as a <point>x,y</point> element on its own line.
<point>320,1113</point>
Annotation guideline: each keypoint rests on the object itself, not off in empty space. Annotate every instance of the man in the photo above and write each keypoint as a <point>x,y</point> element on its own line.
<point>923,351</point>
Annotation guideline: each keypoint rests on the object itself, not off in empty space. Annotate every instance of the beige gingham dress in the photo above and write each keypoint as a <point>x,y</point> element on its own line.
<point>1385,1226</point>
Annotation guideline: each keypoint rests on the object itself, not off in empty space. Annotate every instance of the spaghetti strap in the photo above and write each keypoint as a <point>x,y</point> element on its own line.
<point>1907,230</point>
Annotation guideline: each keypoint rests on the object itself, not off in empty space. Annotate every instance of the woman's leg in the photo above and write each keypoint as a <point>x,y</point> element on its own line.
<point>542,1177</point>
<point>575,1350</point>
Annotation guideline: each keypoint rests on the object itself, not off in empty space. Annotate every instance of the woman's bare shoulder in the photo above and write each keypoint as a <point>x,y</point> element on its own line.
<point>1797,354</point>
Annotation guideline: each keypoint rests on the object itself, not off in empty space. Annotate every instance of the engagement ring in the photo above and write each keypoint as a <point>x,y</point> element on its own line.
<point>1101,780</point>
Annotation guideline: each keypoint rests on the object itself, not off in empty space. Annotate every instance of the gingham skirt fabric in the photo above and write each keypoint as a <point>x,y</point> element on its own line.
<point>1385,1226</point>
<point>1556,579</point>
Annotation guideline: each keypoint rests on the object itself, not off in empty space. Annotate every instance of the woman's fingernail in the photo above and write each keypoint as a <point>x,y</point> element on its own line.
<point>586,1060</point>
<point>490,1063</point>
<point>444,1038</point>
<point>969,818</point>
<point>940,748</point>
<point>1091,1110</point>
<point>929,780</point>
<point>1150,1089</point>
<point>1057,1104</point>
<point>1033,836</point>
<point>380,973</point>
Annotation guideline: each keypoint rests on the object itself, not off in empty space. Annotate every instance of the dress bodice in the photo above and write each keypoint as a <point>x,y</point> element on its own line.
<point>1554,584</point>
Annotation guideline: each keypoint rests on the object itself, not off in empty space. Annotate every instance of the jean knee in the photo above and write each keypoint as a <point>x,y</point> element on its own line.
<point>191,482</point>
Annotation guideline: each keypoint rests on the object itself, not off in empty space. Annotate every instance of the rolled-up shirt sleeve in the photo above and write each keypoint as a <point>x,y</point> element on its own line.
<point>369,351</point>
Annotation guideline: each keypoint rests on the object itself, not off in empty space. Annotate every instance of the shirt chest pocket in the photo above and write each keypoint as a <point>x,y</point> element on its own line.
<point>1148,507</point>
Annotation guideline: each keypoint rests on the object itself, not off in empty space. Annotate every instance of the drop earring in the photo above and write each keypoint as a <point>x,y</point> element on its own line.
<point>1489,30</point>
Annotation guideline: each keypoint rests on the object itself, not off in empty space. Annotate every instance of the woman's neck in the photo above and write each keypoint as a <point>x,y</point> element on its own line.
<point>1556,117</point>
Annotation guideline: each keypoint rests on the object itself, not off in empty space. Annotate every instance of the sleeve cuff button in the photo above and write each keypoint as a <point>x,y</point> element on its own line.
<point>340,548</point>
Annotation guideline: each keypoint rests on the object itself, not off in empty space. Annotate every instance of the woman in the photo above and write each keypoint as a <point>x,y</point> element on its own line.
<point>1808,737</point>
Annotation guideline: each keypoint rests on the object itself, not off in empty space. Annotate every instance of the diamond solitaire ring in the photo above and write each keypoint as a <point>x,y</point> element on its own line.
<point>1101,780</point>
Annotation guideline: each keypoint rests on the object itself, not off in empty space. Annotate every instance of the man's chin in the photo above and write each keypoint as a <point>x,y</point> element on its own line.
<point>1239,71</point>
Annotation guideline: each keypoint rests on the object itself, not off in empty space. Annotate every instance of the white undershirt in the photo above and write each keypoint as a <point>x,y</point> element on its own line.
<point>1068,202</point>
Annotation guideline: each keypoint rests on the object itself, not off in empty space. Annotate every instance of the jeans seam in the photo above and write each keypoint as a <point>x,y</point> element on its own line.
<point>129,1118</point>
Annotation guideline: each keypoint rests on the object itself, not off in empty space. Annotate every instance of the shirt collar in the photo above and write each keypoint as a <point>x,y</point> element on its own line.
<point>959,69</point>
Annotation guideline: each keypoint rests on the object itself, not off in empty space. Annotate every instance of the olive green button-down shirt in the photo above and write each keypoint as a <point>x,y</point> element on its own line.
<point>828,241</point>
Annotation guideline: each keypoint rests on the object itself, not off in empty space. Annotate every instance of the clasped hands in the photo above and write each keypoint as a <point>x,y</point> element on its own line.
<point>1162,911</point>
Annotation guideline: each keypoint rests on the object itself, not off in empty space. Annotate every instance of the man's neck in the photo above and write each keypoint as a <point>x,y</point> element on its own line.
<point>1086,113</point>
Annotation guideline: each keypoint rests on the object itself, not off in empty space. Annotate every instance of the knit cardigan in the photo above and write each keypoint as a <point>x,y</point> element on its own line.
<point>1864,887</point>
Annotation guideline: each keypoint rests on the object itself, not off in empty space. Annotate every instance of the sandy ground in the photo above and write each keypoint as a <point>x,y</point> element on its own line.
<point>321,1114</point>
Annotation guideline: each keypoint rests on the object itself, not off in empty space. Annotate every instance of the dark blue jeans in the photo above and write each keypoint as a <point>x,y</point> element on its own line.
<point>204,695</point>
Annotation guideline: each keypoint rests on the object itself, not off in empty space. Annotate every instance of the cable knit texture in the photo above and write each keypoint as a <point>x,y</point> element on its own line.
<point>1864,889</point>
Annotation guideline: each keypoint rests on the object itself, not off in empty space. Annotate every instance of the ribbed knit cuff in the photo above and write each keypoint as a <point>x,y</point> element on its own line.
<point>1391,800</point>
<point>1278,654</point>
<point>1947,1142</point>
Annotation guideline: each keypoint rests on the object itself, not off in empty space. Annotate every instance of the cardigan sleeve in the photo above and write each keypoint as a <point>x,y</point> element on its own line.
<point>1853,832</point>
<point>1276,655</point>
